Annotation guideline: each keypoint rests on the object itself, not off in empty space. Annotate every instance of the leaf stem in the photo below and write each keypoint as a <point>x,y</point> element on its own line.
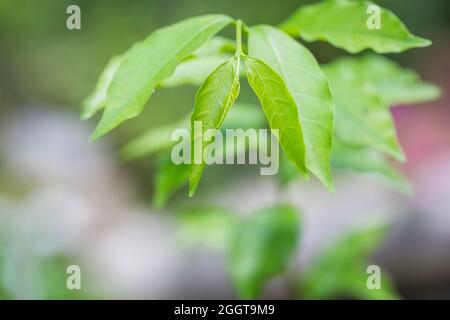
<point>239,51</point>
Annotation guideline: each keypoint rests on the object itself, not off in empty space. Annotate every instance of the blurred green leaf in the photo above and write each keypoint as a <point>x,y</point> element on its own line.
<point>215,46</point>
<point>365,160</point>
<point>340,271</point>
<point>287,171</point>
<point>153,141</point>
<point>169,177</point>
<point>309,88</point>
<point>244,116</point>
<point>377,75</point>
<point>214,99</point>
<point>280,109</point>
<point>361,118</point>
<point>156,140</point>
<point>262,247</point>
<point>96,101</point>
<point>151,61</point>
<point>344,24</point>
<point>211,227</point>
<point>357,159</point>
<point>194,71</point>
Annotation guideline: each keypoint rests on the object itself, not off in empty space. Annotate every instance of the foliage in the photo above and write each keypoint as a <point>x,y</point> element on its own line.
<point>331,116</point>
<point>302,100</point>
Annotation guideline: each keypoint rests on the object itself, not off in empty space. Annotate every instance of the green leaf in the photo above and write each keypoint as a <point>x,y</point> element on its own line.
<point>361,118</point>
<point>153,141</point>
<point>340,271</point>
<point>378,75</point>
<point>261,248</point>
<point>169,177</point>
<point>151,61</point>
<point>309,88</point>
<point>280,109</point>
<point>96,101</point>
<point>365,160</point>
<point>212,103</point>
<point>211,227</point>
<point>344,24</point>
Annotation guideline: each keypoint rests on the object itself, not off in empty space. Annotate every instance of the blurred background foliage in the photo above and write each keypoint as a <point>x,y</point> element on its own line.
<point>64,201</point>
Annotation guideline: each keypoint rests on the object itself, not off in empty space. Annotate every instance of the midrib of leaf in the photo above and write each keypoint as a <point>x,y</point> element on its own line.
<point>216,98</point>
<point>231,93</point>
<point>267,94</point>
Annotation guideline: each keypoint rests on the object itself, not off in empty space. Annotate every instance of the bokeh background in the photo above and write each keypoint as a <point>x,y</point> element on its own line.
<point>64,200</point>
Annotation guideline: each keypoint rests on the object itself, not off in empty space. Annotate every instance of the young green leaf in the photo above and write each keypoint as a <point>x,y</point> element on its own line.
<point>353,26</point>
<point>97,99</point>
<point>362,118</point>
<point>309,88</point>
<point>341,270</point>
<point>151,61</point>
<point>169,177</point>
<point>280,109</point>
<point>365,160</point>
<point>262,247</point>
<point>212,103</point>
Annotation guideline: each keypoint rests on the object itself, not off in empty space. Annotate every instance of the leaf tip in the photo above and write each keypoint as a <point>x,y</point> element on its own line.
<point>422,42</point>
<point>85,115</point>
<point>95,135</point>
<point>192,186</point>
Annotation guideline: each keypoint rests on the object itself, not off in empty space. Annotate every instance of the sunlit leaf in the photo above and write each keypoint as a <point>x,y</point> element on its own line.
<point>262,247</point>
<point>309,88</point>
<point>340,271</point>
<point>280,109</point>
<point>212,103</point>
<point>345,24</point>
<point>151,61</point>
